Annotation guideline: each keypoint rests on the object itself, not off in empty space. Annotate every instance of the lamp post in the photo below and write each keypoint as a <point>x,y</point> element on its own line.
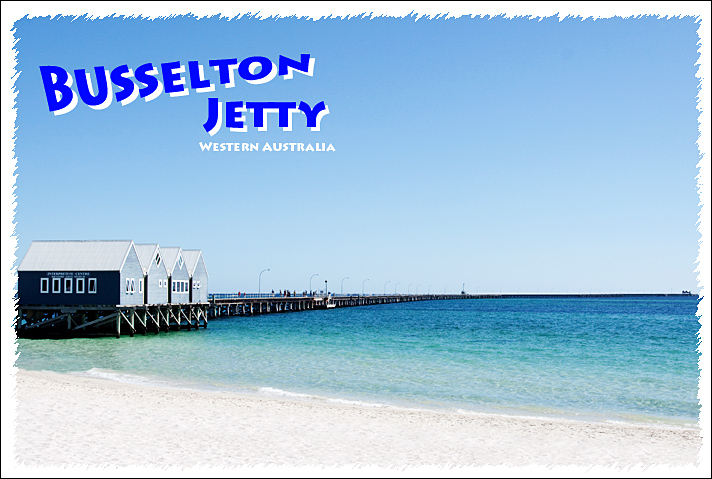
<point>342,284</point>
<point>416,289</point>
<point>310,278</point>
<point>363,284</point>
<point>259,281</point>
<point>411,284</point>
<point>326,287</point>
<point>384,286</point>
<point>395,288</point>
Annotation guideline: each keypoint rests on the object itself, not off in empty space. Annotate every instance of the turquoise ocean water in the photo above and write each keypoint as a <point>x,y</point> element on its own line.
<point>593,359</point>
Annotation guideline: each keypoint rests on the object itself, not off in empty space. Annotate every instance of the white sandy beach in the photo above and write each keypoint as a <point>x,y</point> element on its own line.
<point>75,420</point>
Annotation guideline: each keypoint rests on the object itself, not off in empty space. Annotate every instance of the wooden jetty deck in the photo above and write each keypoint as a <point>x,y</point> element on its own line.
<point>236,305</point>
<point>251,304</point>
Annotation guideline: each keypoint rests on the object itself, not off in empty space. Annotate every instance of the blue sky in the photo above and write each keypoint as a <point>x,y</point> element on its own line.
<point>511,155</point>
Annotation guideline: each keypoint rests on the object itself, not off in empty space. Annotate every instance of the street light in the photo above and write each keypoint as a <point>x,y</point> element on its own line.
<point>416,289</point>
<point>395,288</point>
<point>259,281</point>
<point>310,278</point>
<point>342,284</point>
<point>384,286</point>
<point>411,284</point>
<point>326,287</point>
<point>362,285</point>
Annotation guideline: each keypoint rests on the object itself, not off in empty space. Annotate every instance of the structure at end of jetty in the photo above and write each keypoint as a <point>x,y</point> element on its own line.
<point>100,288</point>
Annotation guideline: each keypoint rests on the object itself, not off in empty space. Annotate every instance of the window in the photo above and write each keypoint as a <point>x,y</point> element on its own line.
<point>173,286</point>
<point>128,285</point>
<point>80,285</point>
<point>67,285</point>
<point>158,259</point>
<point>133,286</point>
<point>180,261</point>
<point>92,285</point>
<point>140,286</point>
<point>56,285</point>
<point>198,284</point>
<point>44,285</point>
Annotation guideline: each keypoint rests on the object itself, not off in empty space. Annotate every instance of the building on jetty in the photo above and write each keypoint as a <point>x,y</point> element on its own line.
<point>86,288</point>
<point>178,278</point>
<point>198,274</point>
<point>155,274</point>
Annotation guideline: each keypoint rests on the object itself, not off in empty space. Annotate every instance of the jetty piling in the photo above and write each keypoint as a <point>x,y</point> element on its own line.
<point>41,321</point>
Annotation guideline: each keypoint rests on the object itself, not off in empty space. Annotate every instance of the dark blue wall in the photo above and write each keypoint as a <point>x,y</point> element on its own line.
<point>107,292</point>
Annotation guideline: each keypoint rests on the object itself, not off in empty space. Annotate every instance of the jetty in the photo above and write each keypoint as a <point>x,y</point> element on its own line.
<point>66,321</point>
<point>246,304</point>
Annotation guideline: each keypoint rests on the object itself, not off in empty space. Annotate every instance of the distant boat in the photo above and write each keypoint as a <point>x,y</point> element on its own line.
<point>686,292</point>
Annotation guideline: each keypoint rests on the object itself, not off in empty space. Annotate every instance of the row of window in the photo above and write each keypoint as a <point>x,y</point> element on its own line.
<point>182,286</point>
<point>75,284</point>
<point>131,285</point>
<point>179,286</point>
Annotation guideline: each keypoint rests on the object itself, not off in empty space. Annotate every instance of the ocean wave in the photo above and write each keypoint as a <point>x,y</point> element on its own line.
<point>128,378</point>
<point>275,392</point>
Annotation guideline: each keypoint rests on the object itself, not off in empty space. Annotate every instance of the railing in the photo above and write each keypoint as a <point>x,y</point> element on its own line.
<point>213,296</point>
<point>319,294</point>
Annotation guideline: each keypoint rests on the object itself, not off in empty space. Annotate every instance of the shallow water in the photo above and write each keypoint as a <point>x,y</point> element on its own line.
<point>601,359</point>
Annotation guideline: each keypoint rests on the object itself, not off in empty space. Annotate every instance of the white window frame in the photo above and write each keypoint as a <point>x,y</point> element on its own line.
<point>128,286</point>
<point>173,286</point>
<point>140,285</point>
<point>92,282</point>
<point>133,285</point>
<point>56,285</point>
<point>158,259</point>
<point>44,285</point>
<point>78,290</point>
<point>67,282</point>
<point>180,261</point>
<point>198,284</point>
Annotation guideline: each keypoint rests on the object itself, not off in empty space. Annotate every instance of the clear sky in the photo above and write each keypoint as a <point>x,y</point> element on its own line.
<point>511,155</point>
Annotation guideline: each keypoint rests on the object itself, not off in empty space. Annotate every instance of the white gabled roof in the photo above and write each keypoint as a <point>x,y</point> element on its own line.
<point>191,257</point>
<point>146,254</point>
<point>170,256</point>
<point>76,255</point>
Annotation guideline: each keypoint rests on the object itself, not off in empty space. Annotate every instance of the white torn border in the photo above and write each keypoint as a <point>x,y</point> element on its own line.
<point>13,11</point>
